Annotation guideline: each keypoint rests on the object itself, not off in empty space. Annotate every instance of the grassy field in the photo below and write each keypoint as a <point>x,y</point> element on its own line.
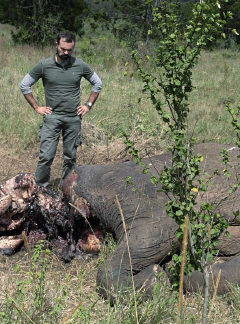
<point>216,79</point>
<point>45,290</point>
<point>42,290</point>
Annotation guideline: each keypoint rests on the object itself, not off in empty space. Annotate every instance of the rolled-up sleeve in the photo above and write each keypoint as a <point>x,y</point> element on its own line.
<point>96,83</point>
<point>26,83</point>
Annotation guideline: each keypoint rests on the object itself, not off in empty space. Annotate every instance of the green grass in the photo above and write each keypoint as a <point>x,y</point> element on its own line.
<point>43,290</point>
<point>215,77</point>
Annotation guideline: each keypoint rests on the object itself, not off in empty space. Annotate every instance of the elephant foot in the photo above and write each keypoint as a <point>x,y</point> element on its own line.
<point>229,272</point>
<point>10,244</point>
<point>113,285</point>
<point>146,279</point>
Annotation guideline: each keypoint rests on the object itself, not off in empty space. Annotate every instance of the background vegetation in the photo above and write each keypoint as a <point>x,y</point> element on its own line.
<point>216,78</point>
<point>37,21</point>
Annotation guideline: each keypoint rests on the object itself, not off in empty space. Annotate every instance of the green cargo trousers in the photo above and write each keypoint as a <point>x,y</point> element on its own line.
<point>49,133</point>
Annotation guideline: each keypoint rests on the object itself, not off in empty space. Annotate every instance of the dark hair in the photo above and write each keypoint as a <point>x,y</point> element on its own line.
<point>67,35</point>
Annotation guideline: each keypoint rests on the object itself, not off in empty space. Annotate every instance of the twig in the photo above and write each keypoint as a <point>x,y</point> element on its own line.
<point>184,310</point>
<point>130,259</point>
<point>65,320</point>
<point>206,293</point>
<point>27,247</point>
<point>108,156</point>
<point>19,309</point>
<point>83,217</point>
<point>216,286</point>
<point>192,244</point>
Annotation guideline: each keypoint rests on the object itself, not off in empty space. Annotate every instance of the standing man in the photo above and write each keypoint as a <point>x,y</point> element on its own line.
<point>61,76</point>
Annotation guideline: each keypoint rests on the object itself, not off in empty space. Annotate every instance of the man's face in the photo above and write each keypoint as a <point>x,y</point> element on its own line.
<point>64,49</point>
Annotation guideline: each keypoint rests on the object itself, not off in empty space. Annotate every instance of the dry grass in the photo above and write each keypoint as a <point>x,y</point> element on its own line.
<point>65,285</point>
<point>216,79</point>
<point>68,285</point>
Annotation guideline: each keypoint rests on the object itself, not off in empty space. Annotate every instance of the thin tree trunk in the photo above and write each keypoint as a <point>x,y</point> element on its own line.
<point>206,293</point>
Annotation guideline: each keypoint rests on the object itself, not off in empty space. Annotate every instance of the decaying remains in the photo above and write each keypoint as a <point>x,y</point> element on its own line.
<point>91,192</point>
<point>42,214</point>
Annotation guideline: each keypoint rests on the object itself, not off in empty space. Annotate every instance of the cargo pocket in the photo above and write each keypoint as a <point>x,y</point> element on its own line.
<point>78,140</point>
<point>79,137</point>
<point>40,132</point>
<point>40,128</point>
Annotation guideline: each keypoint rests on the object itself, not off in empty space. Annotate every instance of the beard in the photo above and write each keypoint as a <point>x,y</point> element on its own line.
<point>63,57</point>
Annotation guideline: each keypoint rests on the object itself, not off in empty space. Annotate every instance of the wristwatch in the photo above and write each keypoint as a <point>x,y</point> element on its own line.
<point>89,104</point>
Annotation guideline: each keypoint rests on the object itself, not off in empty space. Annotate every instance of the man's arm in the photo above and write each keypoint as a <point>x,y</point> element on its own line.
<point>25,87</point>
<point>84,109</point>
<point>96,88</point>
<point>40,110</point>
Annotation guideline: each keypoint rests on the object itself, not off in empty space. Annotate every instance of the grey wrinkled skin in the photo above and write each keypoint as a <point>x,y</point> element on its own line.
<point>228,272</point>
<point>150,231</point>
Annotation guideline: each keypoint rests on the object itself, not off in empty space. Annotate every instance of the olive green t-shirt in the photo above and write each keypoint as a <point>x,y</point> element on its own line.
<point>62,83</point>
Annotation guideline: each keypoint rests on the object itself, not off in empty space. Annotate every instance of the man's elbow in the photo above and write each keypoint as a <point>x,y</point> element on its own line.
<point>96,83</point>
<point>26,83</point>
<point>25,90</point>
<point>97,87</point>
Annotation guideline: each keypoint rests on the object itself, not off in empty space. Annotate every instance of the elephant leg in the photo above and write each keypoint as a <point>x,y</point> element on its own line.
<point>146,279</point>
<point>116,275</point>
<point>229,274</point>
<point>229,246</point>
<point>116,283</point>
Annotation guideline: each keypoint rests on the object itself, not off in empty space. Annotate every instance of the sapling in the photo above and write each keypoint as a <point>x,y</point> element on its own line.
<point>178,48</point>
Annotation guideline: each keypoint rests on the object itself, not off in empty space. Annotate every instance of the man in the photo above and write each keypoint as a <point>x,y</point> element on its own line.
<point>61,76</point>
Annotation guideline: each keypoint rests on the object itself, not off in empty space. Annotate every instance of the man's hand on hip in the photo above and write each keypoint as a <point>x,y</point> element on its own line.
<point>43,110</point>
<point>82,110</point>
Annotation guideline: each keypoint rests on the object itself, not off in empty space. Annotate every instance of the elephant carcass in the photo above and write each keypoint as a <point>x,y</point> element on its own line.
<point>27,207</point>
<point>149,230</point>
<point>16,196</point>
<point>42,214</point>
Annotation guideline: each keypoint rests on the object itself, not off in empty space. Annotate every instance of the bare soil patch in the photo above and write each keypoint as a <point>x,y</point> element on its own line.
<point>97,148</point>
<point>13,162</point>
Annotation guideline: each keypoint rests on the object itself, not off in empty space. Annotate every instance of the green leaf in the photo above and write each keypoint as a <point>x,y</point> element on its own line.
<point>154,180</point>
<point>179,213</point>
<point>209,257</point>
<point>228,234</point>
